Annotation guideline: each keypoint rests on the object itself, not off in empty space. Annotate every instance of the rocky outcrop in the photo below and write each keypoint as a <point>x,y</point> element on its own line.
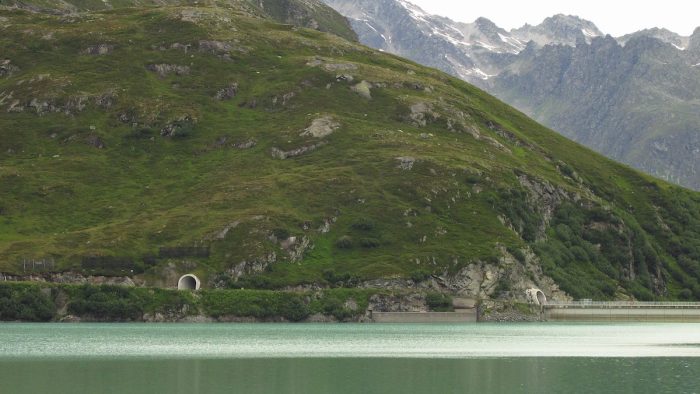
<point>412,302</point>
<point>179,127</point>
<point>421,114</point>
<point>70,277</point>
<point>96,141</point>
<point>507,278</point>
<point>286,154</point>
<point>163,70</point>
<point>7,68</point>
<point>364,89</point>
<point>227,93</point>
<point>544,198</point>
<point>245,144</point>
<point>406,162</point>
<point>508,312</point>
<point>321,127</point>
<point>312,14</point>
<point>100,49</point>
<point>214,47</point>
<point>329,66</point>
<point>252,266</point>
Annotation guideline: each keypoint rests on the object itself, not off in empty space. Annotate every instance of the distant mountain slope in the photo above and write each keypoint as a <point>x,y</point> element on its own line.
<point>635,98</point>
<point>153,142</point>
<point>638,103</point>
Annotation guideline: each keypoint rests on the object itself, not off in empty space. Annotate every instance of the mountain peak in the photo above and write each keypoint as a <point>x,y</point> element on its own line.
<point>559,29</point>
<point>694,42</point>
<point>661,34</point>
<point>485,22</point>
<point>570,25</point>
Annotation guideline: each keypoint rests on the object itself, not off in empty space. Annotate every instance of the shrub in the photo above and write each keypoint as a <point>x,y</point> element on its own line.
<point>338,280</point>
<point>517,253</point>
<point>363,224</point>
<point>419,275</point>
<point>26,303</point>
<point>255,303</point>
<point>503,286</point>
<point>281,233</point>
<point>685,294</point>
<point>344,242</point>
<point>107,303</point>
<point>438,302</point>
<point>369,243</point>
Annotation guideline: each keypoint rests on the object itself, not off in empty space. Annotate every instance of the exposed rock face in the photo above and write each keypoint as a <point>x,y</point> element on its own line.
<point>398,303</point>
<point>363,89</point>
<point>509,278</point>
<point>636,103</point>
<point>406,163</point>
<point>245,144</point>
<point>312,14</point>
<point>694,41</point>
<point>7,68</point>
<point>106,100</point>
<point>254,266</point>
<point>503,312</point>
<point>164,70</point>
<point>421,114</point>
<point>227,93</point>
<point>321,127</point>
<point>559,29</point>
<point>100,49</point>
<point>283,155</point>
<point>73,278</point>
<point>41,106</point>
<point>178,127</point>
<point>214,47</point>
<point>96,141</point>
<point>545,198</point>
<point>331,67</point>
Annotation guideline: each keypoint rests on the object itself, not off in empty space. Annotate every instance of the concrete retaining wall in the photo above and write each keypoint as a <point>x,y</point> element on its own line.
<point>670,315</point>
<point>425,317</point>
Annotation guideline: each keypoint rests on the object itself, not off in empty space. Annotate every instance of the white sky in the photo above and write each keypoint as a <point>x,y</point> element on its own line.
<point>615,17</point>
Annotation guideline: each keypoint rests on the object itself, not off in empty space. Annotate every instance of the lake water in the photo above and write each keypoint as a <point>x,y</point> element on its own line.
<point>353,358</point>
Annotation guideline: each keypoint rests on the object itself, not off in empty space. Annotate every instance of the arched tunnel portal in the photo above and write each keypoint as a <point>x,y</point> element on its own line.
<point>188,282</point>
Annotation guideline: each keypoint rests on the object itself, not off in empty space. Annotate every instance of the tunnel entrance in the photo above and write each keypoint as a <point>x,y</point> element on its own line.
<point>536,297</point>
<point>541,298</point>
<point>188,282</point>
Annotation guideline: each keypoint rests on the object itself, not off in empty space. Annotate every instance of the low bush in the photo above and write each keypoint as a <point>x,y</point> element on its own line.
<point>344,242</point>
<point>439,302</point>
<point>25,302</point>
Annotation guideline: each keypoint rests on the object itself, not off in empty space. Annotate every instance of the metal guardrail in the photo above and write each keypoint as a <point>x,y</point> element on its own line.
<point>621,304</point>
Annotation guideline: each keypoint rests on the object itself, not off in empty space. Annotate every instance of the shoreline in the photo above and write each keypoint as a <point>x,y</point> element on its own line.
<point>25,302</point>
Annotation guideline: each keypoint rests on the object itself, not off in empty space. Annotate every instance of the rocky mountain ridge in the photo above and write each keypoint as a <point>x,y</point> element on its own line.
<point>644,110</point>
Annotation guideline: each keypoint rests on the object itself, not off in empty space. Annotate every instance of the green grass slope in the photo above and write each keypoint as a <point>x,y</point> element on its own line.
<point>154,142</point>
<point>304,13</point>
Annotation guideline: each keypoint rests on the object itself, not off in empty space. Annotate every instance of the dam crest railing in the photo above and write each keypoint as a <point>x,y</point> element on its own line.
<point>583,304</point>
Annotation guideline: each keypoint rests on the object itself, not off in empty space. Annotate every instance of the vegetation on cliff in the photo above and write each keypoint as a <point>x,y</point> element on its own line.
<point>52,302</point>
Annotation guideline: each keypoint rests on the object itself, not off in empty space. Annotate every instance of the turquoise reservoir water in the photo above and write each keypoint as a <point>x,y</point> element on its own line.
<point>310,358</point>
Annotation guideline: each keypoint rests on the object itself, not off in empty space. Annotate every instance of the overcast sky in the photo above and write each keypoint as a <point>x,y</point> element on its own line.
<point>615,17</point>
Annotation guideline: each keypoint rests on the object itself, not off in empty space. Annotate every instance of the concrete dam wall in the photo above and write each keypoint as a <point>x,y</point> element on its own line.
<point>623,312</point>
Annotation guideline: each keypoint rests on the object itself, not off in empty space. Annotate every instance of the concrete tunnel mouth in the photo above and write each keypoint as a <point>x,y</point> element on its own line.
<point>536,297</point>
<point>541,298</point>
<point>188,282</point>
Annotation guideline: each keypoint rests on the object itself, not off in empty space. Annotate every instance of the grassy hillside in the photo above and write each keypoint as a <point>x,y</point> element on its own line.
<point>305,13</point>
<point>154,142</point>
